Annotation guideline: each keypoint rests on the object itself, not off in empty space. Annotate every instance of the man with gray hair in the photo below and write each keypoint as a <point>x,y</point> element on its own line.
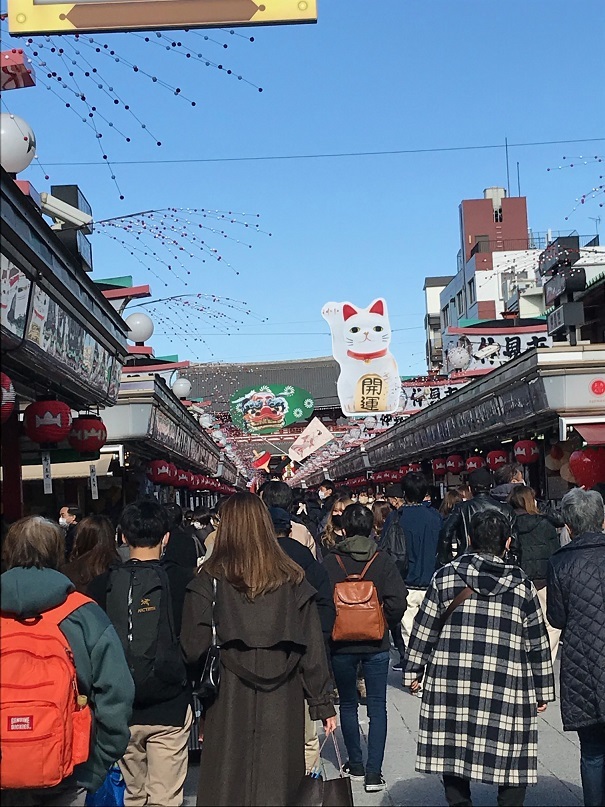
<point>576,604</point>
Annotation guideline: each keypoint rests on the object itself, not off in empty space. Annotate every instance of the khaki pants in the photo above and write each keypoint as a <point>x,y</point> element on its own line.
<point>554,634</point>
<point>415,598</point>
<point>154,766</point>
<point>311,741</point>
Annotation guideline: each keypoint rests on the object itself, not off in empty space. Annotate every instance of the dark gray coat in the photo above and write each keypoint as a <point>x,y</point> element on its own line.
<point>576,603</point>
<point>253,750</point>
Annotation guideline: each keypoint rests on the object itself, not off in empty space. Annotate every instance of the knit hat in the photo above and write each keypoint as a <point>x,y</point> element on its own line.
<point>280,518</point>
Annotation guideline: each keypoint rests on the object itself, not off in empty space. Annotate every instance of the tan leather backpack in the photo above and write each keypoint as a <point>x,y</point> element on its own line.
<point>359,614</point>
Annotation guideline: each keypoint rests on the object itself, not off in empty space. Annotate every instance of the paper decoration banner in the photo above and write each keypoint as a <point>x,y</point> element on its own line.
<point>313,437</point>
<point>267,409</point>
<point>369,379</point>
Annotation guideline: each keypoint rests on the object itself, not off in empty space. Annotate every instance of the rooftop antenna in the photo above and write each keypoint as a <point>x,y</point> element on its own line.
<point>597,221</point>
<point>507,166</point>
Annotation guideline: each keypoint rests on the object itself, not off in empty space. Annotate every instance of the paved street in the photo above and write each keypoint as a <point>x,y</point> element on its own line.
<point>558,762</point>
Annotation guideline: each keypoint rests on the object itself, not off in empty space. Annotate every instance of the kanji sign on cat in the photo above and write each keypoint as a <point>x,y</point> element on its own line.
<point>30,17</point>
<point>369,379</point>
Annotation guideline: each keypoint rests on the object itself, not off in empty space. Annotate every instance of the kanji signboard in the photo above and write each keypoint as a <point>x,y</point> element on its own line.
<point>30,17</point>
<point>488,348</point>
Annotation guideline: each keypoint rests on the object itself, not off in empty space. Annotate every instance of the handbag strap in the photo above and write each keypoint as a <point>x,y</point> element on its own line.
<point>214,587</point>
<point>338,757</point>
<point>458,600</point>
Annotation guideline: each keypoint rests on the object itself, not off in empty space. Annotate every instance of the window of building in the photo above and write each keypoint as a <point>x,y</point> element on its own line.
<point>445,316</point>
<point>460,302</point>
<point>498,215</point>
<point>471,291</point>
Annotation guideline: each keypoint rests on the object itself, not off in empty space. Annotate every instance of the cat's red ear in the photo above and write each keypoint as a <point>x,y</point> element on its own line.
<point>348,311</point>
<point>378,308</point>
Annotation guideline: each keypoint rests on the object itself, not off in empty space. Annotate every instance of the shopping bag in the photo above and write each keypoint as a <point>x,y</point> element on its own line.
<point>111,792</point>
<point>313,791</point>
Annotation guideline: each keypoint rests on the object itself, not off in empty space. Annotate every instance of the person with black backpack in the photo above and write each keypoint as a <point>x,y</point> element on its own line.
<point>138,600</point>
<point>369,593</point>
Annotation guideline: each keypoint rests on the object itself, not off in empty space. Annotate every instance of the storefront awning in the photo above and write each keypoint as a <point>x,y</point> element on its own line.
<point>592,433</point>
<point>68,470</point>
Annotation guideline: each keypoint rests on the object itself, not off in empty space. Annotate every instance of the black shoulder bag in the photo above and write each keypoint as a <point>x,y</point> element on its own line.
<point>211,674</point>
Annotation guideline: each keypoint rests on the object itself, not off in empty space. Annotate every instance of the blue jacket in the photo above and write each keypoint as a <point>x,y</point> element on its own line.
<point>576,603</point>
<point>421,524</point>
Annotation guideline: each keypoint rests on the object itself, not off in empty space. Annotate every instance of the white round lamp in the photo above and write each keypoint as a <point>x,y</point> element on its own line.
<point>140,327</point>
<point>17,143</point>
<point>181,387</point>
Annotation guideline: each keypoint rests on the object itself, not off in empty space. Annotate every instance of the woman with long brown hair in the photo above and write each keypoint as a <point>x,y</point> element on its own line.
<point>450,500</point>
<point>272,659</point>
<point>93,553</point>
<point>536,541</point>
<point>333,532</point>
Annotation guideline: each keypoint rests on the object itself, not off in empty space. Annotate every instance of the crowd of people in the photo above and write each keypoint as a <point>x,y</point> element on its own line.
<point>302,601</point>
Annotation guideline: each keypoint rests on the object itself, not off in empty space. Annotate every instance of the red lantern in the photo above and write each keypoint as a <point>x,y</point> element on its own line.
<point>403,471</point>
<point>8,398</point>
<point>378,477</point>
<point>47,421</point>
<point>439,467</point>
<point>158,472</point>
<point>191,477</point>
<point>182,479</point>
<point>414,468</point>
<point>474,463</point>
<point>526,452</point>
<point>496,459</point>
<point>173,473</point>
<point>454,463</point>
<point>88,434</point>
<point>588,466</point>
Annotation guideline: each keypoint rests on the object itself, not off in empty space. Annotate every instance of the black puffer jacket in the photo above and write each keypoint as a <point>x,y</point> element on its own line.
<point>456,527</point>
<point>576,603</point>
<point>537,540</point>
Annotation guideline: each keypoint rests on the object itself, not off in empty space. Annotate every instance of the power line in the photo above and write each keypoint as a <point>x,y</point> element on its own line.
<point>330,155</point>
<point>272,333</point>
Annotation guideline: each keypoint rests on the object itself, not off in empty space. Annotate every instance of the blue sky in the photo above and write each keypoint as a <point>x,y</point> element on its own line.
<point>379,76</point>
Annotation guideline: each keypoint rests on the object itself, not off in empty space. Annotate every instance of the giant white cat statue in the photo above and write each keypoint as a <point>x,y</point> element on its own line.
<point>369,379</point>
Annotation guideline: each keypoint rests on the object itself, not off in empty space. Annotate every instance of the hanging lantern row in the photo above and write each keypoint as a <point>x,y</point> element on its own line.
<point>8,398</point>
<point>162,472</point>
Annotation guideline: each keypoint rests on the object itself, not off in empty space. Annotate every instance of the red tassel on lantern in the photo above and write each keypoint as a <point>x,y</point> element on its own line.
<point>454,463</point>
<point>588,466</point>
<point>8,398</point>
<point>439,466</point>
<point>88,434</point>
<point>497,458</point>
<point>47,422</point>
<point>474,463</point>
<point>526,452</point>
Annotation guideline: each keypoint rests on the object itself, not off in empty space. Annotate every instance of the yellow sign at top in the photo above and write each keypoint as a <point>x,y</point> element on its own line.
<point>31,17</point>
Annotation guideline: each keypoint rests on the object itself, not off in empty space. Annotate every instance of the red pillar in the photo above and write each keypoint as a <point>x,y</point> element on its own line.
<point>12,488</point>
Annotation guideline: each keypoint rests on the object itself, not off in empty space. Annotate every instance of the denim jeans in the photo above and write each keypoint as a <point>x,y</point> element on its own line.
<point>375,667</point>
<point>592,764</point>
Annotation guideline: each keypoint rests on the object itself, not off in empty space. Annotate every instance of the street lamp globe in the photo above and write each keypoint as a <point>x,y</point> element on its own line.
<point>181,387</point>
<point>17,143</point>
<point>140,327</point>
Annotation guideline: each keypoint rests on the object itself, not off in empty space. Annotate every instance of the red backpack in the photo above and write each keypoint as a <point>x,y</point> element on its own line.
<point>45,724</point>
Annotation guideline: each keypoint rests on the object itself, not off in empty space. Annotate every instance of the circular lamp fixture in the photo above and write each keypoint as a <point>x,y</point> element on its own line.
<point>181,387</point>
<point>140,327</point>
<point>18,143</point>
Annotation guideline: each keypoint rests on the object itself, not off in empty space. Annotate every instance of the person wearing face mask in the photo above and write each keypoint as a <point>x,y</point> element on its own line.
<point>333,531</point>
<point>69,516</point>
<point>326,489</point>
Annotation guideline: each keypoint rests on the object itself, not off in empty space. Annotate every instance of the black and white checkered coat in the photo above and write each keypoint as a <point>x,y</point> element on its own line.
<point>485,672</point>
